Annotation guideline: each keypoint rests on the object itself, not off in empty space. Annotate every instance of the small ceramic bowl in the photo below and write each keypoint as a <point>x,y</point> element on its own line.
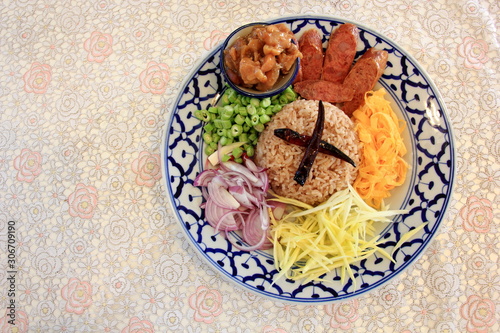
<point>283,81</point>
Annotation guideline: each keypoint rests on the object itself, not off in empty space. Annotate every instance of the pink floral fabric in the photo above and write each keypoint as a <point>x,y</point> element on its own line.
<point>343,314</point>
<point>99,46</point>
<point>28,165</point>
<point>37,78</point>
<point>207,304</point>
<point>474,52</point>
<point>78,296</point>
<point>479,313</point>
<point>477,215</point>
<point>147,169</point>
<point>136,325</point>
<point>83,201</point>
<point>86,92</point>
<point>16,321</point>
<point>154,78</point>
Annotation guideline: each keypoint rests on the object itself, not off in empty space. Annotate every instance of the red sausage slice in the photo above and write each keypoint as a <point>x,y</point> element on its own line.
<point>363,77</point>
<point>340,53</point>
<point>311,47</point>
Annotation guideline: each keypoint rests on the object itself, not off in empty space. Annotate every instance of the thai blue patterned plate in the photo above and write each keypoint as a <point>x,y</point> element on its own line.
<point>425,195</point>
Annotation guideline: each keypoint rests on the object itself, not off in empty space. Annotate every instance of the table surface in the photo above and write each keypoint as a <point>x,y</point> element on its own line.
<point>83,203</point>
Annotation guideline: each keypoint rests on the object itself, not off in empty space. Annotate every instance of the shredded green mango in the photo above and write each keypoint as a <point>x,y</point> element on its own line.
<point>311,241</point>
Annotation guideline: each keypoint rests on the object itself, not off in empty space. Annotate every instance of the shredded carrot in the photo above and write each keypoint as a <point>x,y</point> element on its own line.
<point>382,166</point>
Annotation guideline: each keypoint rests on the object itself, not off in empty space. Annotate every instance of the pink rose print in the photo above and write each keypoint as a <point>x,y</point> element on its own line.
<point>78,295</point>
<point>135,325</point>
<point>479,313</point>
<point>147,169</point>
<point>99,46</point>
<point>28,165</point>
<point>477,215</point>
<point>154,78</point>
<point>474,52</point>
<point>207,304</point>
<point>216,36</point>
<point>270,329</point>
<point>83,201</point>
<point>37,78</point>
<point>343,314</point>
<point>21,322</point>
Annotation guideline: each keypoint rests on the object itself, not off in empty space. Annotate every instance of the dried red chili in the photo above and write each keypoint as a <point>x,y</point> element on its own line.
<point>303,140</point>
<point>312,148</point>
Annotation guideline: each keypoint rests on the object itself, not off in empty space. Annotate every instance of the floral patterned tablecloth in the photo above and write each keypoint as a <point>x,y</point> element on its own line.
<point>88,243</point>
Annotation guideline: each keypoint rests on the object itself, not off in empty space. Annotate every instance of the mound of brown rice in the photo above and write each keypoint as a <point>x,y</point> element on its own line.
<point>328,174</point>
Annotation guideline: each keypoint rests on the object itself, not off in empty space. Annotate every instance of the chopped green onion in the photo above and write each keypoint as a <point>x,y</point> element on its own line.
<point>237,152</point>
<point>265,102</point>
<point>239,118</point>
<point>224,141</point>
<point>207,137</point>
<point>243,137</point>
<point>259,127</point>
<point>255,119</point>
<point>209,150</point>
<point>250,151</point>
<point>226,124</point>
<point>236,130</point>
<point>255,101</point>
<point>251,109</point>
<point>202,115</point>
<point>264,119</point>
<point>221,132</point>
<point>209,127</point>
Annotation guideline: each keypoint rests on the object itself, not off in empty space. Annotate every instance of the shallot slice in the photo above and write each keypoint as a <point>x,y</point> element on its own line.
<point>245,198</point>
<point>227,222</point>
<point>244,171</point>
<point>256,228</point>
<point>221,196</point>
<point>203,178</point>
<point>231,191</point>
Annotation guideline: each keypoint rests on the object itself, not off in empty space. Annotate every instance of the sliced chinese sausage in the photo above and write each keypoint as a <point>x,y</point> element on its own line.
<point>363,77</point>
<point>340,53</point>
<point>324,90</point>
<point>311,47</point>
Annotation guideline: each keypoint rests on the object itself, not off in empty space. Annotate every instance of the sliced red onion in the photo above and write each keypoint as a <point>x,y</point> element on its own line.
<point>265,180</point>
<point>264,218</point>
<point>257,246</point>
<point>260,173</point>
<point>252,166</point>
<point>244,171</point>
<point>242,196</point>
<point>221,196</point>
<point>277,209</point>
<point>204,177</point>
<point>232,191</point>
<point>204,192</point>
<point>256,229</point>
<point>236,178</point>
<point>213,212</point>
<point>227,222</point>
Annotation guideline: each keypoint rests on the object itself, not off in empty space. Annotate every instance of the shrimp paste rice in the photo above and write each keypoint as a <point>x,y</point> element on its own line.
<point>328,174</point>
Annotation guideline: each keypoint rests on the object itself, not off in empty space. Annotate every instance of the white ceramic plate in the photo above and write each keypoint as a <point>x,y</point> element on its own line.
<point>425,194</point>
